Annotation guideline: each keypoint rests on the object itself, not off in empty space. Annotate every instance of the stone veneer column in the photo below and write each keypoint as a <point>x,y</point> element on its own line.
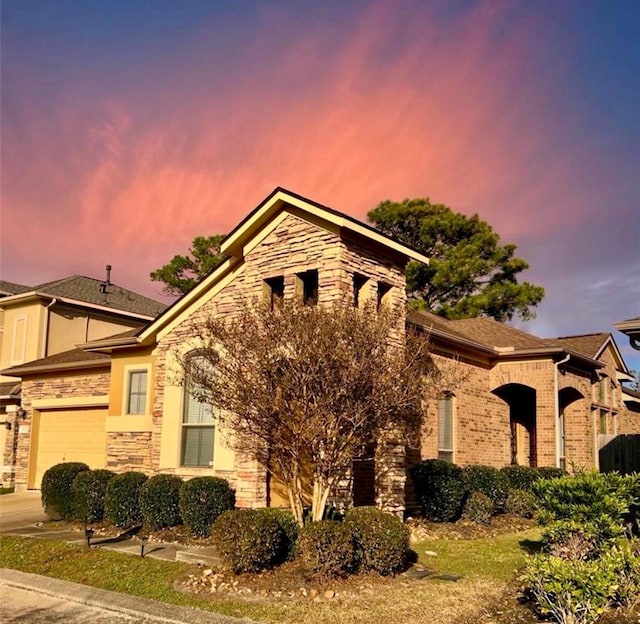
<point>391,474</point>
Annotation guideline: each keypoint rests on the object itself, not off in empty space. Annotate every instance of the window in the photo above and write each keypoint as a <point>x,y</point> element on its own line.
<point>307,287</point>
<point>603,421</point>
<point>198,430</point>
<point>383,294</point>
<point>273,291</point>
<point>137,392</point>
<point>561,440</point>
<point>602,391</point>
<point>445,428</point>
<point>359,282</point>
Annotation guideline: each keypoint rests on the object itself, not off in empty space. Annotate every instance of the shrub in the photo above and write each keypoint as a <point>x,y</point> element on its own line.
<point>520,503</point>
<point>121,501</point>
<point>440,489</point>
<point>478,508</point>
<point>550,472</point>
<point>571,591</point>
<point>520,477</point>
<point>327,548</point>
<point>625,559</point>
<point>202,500</point>
<point>489,481</point>
<point>570,539</point>
<point>380,539</point>
<point>248,540</point>
<point>289,531</point>
<point>88,491</point>
<point>159,501</point>
<point>586,496</point>
<point>56,489</point>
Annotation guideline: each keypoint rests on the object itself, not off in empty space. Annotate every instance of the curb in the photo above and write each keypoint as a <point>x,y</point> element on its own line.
<point>115,602</point>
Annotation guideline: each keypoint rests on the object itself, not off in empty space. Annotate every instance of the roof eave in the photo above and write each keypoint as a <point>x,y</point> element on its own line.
<point>23,371</point>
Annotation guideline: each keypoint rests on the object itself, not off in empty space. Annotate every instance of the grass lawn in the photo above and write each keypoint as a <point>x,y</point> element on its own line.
<point>486,565</point>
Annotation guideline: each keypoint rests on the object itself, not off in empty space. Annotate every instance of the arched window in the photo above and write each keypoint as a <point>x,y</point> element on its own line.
<point>445,428</point>
<point>198,428</point>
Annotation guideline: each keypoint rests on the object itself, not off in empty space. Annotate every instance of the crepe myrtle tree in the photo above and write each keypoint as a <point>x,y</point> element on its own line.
<point>305,388</point>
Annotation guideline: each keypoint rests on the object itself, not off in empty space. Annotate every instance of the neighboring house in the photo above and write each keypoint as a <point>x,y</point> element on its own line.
<point>520,398</point>
<point>51,318</point>
<point>631,328</point>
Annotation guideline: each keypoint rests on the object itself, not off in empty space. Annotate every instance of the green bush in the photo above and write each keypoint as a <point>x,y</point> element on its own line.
<point>585,496</point>
<point>550,472</point>
<point>440,489</point>
<point>478,508</point>
<point>571,539</point>
<point>625,559</point>
<point>520,477</point>
<point>571,591</point>
<point>489,481</point>
<point>327,548</point>
<point>88,491</point>
<point>520,503</point>
<point>202,500</point>
<point>160,502</point>
<point>121,501</point>
<point>56,489</point>
<point>289,529</point>
<point>380,539</point>
<point>248,540</point>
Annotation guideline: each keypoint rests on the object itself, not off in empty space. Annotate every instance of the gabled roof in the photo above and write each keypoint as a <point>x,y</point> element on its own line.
<point>494,334</point>
<point>9,288</point>
<point>9,389</point>
<point>79,290</point>
<point>232,245</point>
<point>590,345</point>
<point>234,248</point>
<point>72,359</point>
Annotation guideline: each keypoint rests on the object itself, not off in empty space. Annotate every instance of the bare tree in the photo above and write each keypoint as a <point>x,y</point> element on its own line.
<point>305,388</point>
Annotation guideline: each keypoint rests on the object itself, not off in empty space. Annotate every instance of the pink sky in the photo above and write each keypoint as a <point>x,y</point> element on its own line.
<point>125,162</point>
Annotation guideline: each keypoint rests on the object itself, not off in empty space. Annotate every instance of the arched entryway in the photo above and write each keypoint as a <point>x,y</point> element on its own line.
<point>521,400</point>
<point>568,408</point>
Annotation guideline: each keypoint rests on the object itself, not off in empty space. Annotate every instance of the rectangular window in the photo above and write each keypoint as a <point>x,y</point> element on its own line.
<point>383,294</point>
<point>307,287</point>
<point>445,429</point>
<point>137,392</point>
<point>561,439</point>
<point>602,391</point>
<point>273,291</point>
<point>198,432</point>
<point>359,282</point>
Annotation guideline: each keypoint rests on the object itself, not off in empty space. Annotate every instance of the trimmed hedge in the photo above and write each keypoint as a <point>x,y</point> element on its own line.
<point>440,489</point>
<point>88,491</point>
<point>478,508</point>
<point>380,539</point>
<point>202,500</point>
<point>489,481</point>
<point>121,501</point>
<point>56,489</point>
<point>289,531</point>
<point>247,540</point>
<point>327,548</point>
<point>160,502</point>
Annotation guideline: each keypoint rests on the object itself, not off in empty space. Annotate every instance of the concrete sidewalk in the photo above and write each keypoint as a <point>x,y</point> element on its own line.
<point>23,602</point>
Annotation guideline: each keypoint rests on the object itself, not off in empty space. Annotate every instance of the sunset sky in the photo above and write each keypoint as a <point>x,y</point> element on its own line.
<point>130,126</point>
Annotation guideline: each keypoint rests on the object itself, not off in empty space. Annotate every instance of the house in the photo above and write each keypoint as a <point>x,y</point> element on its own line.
<point>516,397</point>
<point>51,318</point>
<point>631,328</point>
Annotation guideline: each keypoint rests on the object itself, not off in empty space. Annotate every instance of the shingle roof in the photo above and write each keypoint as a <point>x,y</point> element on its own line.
<point>431,321</point>
<point>9,388</point>
<point>586,344</point>
<point>9,288</point>
<point>494,334</point>
<point>66,359</point>
<point>88,289</point>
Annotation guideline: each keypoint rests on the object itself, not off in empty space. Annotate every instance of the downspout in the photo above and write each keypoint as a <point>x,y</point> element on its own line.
<point>557,404</point>
<point>45,333</point>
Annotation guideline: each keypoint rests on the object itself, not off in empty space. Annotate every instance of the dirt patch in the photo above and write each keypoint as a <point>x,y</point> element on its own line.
<point>465,529</point>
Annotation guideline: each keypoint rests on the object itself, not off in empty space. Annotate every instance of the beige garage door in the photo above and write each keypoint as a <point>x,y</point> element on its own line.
<point>67,436</point>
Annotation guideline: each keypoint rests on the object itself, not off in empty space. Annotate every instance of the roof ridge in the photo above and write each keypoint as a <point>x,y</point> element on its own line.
<point>603,333</point>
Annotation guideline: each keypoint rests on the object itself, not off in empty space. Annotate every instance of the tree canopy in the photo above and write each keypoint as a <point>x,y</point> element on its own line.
<point>471,273</point>
<point>182,273</point>
<point>305,388</point>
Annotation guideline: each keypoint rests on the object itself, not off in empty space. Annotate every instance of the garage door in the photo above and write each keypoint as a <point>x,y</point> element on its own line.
<point>67,436</point>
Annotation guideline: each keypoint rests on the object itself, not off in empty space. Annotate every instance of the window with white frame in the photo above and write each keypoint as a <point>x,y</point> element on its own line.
<point>445,428</point>
<point>137,392</point>
<point>198,428</point>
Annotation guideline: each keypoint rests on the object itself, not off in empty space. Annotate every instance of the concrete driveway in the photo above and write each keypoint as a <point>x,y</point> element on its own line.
<point>20,509</point>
